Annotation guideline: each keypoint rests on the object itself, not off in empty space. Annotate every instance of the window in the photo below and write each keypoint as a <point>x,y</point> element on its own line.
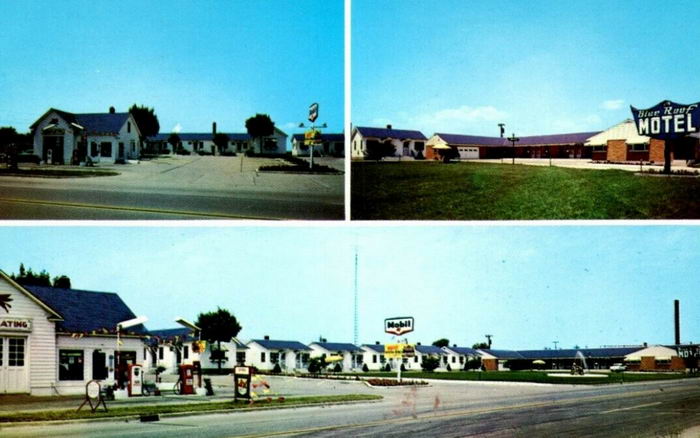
<point>133,146</point>
<point>262,357</point>
<point>1,348</point>
<point>128,126</point>
<point>70,364</point>
<point>461,359</point>
<point>600,148</point>
<point>382,359</point>
<point>638,147</point>
<point>415,359</point>
<point>453,359</point>
<point>419,146</point>
<point>186,352</point>
<point>93,149</point>
<point>240,357</point>
<point>145,356</point>
<point>274,357</point>
<point>16,352</point>
<point>106,149</point>
<point>374,358</point>
<point>160,353</point>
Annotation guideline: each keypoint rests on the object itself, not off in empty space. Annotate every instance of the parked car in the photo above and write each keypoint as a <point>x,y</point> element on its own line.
<point>618,367</point>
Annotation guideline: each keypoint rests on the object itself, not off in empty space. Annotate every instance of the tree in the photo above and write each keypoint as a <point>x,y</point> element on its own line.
<point>442,342</point>
<point>9,140</point>
<point>174,141</point>
<point>146,119</point>
<point>377,150</point>
<point>316,364</point>
<point>221,141</point>
<point>61,281</point>
<point>472,363</point>
<point>430,363</point>
<point>260,126</point>
<point>481,345</point>
<point>219,326</point>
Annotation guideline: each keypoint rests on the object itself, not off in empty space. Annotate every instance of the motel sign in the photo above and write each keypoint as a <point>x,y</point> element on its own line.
<point>667,120</point>
<point>398,326</point>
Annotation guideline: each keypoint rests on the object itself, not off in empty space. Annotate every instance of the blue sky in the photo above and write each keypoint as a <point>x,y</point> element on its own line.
<point>541,67</point>
<point>528,286</point>
<point>195,62</point>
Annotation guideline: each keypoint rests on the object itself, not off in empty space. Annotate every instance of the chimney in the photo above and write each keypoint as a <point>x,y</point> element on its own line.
<point>388,126</point>
<point>677,320</point>
<point>267,338</point>
<point>112,110</point>
<point>418,343</point>
<point>376,342</point>
<point>213,128</point>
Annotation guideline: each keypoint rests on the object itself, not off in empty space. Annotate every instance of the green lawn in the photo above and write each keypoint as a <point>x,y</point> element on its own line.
<point>480,191</point>
<point>128,411</point>
<point>531,376</point>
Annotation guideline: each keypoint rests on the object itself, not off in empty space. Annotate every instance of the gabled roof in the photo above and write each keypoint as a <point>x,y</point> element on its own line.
<point>625,130</point>
<point>503,354</point>
<point>337,346</point>
<point>271,344</point>
<point>429,349</point>
<point>86,311</point>
<point>94,123</point>
<point>55,316</point>
<point>379,348</point>
<point>169,334</point>
<point>573,353</point>
<point>324,137</point>
<point>466,351</point>
<point>390,133</point>
<point>533,140</point>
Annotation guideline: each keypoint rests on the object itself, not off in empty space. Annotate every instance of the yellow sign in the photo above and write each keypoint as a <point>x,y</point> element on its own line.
<point>397,351</point>
<point>312,137</point>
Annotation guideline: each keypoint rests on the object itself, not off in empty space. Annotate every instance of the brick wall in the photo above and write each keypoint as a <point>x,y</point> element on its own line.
<point>648,363</point>
<point>490,364</point>
<point>656,150</point>
<point>617,150</point>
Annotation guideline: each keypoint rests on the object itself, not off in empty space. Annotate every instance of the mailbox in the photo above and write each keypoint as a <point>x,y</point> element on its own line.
<point>135,382</point>
<point>241,382</point>
<point>187,379</point>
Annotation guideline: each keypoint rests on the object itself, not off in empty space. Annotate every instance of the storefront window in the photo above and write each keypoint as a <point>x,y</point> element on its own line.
<point>106,149</point>
<point>16,352</point>
<point>70,364</point>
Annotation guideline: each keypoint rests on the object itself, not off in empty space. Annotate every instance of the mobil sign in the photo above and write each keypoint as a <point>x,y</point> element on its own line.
<point>667,120</point>
<point>399,325</point>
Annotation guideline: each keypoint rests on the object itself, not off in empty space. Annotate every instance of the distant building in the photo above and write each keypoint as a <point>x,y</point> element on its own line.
<point>330,145</point>
<point>171,348</point>
<point>61,137</point>
<point>351,354</point>
<point>265,353</point>
<point>407,143</point>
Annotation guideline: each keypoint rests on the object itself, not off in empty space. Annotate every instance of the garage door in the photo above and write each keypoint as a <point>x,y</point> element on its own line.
<point>467,153</point>
<point>14,370</point>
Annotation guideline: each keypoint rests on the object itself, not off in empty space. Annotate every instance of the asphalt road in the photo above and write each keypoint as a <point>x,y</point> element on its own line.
<point>176,188</point>
<point>441,410</point>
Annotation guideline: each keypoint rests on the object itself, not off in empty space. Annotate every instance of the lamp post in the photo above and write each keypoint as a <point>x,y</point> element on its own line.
<point>512,140</point>
<point>190,325</point>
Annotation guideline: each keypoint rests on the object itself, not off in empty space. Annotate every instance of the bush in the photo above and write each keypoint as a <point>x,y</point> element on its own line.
<point>403,367</point>
<point>337,368</point>
<point>429,364</point>
<point>449,368</point>
<point>365,368</point>
<point>276,369</point>
<point>472,364</point>
<point>387,367</point>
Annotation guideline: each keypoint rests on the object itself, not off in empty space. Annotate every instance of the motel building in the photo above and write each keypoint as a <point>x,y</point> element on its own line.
<point>265,353</point>
<point>622,143</point>
<point>350,354</point>
<point>61,137</point>
<point>330,145</point>
<point>472,147</point>
<point>231,353</point>
<point>408,144</point>
<point>53,341</point>
<point>424,351</point>
<point>171,348</point>
<point>373,356</point>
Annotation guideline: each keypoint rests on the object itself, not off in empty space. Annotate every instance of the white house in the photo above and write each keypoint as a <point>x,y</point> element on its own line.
<point>352,355</point>
<point>407,143</point>
<point>61,137</point>
<point>203,143</point>
<point>424,351</point>
<point>265,353</point>
<point>53,341</point>
<point>456,357</point>
<point>232,353</point>
<point>330,145</point>
<point>171,348</point>
<point>373,356</point>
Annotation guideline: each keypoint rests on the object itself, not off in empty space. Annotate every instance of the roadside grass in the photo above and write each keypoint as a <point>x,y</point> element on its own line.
<point>530,376</point>
<point>56,173</point>
<point>481,191</point>
<point>128,411</point>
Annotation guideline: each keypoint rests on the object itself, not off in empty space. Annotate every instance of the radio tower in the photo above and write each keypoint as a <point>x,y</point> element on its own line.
<point>355,328</point>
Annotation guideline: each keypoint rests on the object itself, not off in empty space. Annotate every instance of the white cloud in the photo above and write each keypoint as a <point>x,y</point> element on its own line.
<point>177,128</point>
<point>462,119</point>
<point>611,105</point>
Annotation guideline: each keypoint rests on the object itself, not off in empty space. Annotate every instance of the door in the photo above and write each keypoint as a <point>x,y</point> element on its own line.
<point>14,370</point>
<point>99,365</point>
<point>121,151</point>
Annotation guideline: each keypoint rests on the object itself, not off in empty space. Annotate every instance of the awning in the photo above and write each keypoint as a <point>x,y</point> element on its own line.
<point>538,362</point>
<point>335,358</point>
<point>441,146</point>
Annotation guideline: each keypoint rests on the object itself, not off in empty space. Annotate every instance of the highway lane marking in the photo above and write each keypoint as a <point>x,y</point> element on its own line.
<point>460,413</point>
<point>133,209</point>
<point>631,407</point>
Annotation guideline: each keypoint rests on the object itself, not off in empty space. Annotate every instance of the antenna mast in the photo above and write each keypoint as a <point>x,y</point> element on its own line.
<point>355,328</point>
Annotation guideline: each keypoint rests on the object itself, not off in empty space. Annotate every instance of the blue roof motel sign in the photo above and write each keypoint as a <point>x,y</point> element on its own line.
<point>667,120</point>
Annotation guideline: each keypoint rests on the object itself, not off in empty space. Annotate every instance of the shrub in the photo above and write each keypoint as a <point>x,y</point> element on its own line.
<point>449,368</point>
<point>365,368</point>
<point>429,364</point>
<point>337,368</point>
<point>387,367</point>
<point>403,367</point>
<point>276,369</point>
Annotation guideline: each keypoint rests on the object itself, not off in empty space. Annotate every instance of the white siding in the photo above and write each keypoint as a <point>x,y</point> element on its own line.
<point>69,140</point>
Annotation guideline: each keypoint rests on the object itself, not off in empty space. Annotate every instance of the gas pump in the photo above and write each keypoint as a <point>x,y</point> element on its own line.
<point>241,382</point>
<point>186,379</point>
<point>197,371</point>
<point>135,382</point>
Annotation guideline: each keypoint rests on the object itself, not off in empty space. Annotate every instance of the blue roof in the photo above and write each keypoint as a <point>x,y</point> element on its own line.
<point>86,311</point>
<point>464,350</point>
<point>429,349</point>
<point>533,140</point>
<point>324,137</point>
<point>337,346</point>
<point>281,345</point>
<point>166,334</point>
<point>379,348</point>
<point>390,133</point>
<point>102,123</point>
<point>504,354</point>
<point>204,136</point>
<point>572,353</point>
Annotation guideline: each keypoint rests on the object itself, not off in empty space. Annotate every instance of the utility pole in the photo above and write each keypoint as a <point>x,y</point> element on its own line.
<point>488,338</point>
<point>513,139</point>
<point>555,344</point>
